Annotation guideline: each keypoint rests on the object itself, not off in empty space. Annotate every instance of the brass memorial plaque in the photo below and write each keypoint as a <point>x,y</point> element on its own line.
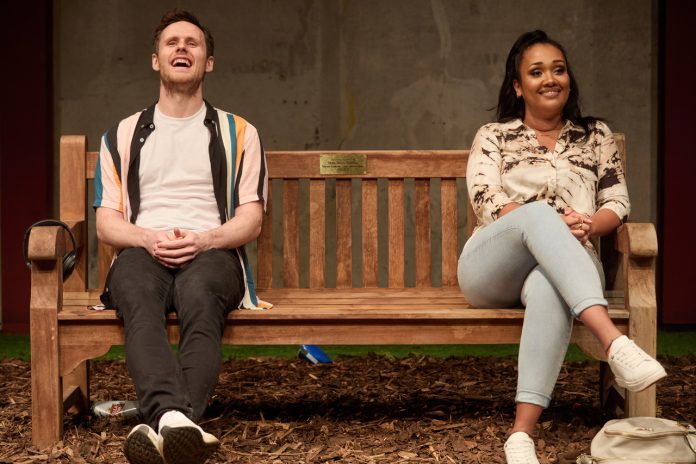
<point>342,164</point>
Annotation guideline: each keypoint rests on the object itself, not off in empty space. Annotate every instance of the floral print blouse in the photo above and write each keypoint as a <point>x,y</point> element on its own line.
<point>507,164</point>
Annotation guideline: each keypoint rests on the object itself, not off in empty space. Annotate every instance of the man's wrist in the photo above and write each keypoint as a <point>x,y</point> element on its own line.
<point>207,240</point>
<point>144,238</point>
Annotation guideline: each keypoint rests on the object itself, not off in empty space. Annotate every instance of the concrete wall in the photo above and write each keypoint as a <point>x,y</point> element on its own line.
<point>365,73</point>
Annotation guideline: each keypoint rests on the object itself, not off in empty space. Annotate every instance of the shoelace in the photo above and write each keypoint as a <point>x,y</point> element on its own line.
<point>631,356</point>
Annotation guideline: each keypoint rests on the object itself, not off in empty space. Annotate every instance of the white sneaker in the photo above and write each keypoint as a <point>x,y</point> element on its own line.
<point>143,446</point>
<point>184,442</point>
<point>633,368</point>
<point>519,449</point>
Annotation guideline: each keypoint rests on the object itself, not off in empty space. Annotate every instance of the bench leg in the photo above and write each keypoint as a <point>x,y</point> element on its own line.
<point>46,391</point>
<point>626,403</point>
<point>76,389</point>
<point>611,401</point>
<point>641,404</point>
<point>642,329</point>
<point>639,294</point>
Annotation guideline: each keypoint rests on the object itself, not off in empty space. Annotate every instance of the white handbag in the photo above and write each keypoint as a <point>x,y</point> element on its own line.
<point>642,440</point>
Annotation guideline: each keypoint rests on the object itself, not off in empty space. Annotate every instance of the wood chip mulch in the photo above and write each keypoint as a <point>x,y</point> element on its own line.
<point>370,409</point>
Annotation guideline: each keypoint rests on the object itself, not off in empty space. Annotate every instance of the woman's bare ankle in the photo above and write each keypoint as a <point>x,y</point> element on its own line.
<point>529,430</point>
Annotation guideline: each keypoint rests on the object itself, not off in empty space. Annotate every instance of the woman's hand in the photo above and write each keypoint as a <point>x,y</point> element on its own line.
<point>579,224</point>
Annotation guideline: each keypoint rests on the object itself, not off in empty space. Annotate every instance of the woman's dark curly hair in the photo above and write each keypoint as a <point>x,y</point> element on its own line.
<point>510,107</point>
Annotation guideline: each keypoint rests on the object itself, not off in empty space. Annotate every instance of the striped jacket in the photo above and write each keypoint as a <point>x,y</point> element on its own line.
<point>237,163</point>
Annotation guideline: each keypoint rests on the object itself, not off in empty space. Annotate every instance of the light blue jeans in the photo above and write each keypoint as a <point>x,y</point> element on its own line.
<point>530,255</point>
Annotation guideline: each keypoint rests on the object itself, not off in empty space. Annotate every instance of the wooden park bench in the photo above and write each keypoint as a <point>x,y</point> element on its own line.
<point>366,256</point>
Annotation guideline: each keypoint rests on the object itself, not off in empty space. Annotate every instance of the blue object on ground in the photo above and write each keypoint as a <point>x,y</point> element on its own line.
<point>313,354</point>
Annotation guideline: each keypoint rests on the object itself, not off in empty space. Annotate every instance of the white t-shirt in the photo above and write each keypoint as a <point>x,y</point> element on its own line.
<point>176,182</point>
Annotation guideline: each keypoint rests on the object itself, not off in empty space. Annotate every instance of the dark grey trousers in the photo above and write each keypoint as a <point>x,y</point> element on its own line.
<point>201,292</point>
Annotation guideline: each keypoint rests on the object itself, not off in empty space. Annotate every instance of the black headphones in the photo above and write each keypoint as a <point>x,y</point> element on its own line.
<point>69,258</point>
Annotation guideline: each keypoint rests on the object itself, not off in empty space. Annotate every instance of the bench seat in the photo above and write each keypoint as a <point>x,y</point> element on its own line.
<point>420,305</point>
<point>329,316</point>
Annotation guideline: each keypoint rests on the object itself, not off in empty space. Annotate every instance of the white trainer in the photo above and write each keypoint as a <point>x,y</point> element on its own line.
<point>633,368</point>
<point>143,446</point>
<point>519,449</point>
<point>184,442</point>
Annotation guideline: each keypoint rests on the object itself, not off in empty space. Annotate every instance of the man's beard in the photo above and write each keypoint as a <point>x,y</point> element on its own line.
<point>186,88</point>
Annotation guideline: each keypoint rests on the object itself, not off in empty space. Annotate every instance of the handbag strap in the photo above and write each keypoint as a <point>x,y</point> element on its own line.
<point>585,459</point>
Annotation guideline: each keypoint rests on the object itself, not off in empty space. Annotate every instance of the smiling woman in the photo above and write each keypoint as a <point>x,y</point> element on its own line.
<point>543,182</point>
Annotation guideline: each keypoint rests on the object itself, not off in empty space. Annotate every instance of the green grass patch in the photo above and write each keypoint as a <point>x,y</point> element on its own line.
<point>398,351</point>
<point>14,347</point>
<point>669,343</point>
<point>394,351</point>
<point>676,342</point>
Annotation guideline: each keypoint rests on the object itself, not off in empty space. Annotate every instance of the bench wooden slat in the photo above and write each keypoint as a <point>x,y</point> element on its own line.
<point>291,244</point>
<point>344,256</point>
<point>105,254</point>
<point>264,248</point>
<point>422,222</point>
<point>360,332</point>
<point>319,293</point>
<point>448,220</point>
<point>369,233</point>
<point>396,233</point>
<point>305,165</point>
<point>347,300</point>
<point>335,293</point>
<point>416,308</point>
<point>317,229</point>
<point>406,304</point>
<point>620,140</point>
<point>433,292</point>
<point>372,302</point>
<point>72,205</point>
<point>337,312</point>
<point>380,164</point>
<point>91,164</point>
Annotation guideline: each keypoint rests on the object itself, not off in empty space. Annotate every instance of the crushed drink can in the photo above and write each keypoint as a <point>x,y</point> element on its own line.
<point>117,409</point>
<point>313,354</point>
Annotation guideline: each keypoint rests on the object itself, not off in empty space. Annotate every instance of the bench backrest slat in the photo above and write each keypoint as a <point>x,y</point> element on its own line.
<point>344,236</point>
<point>448,219</point>
<point>72,203</point>
<point>317,231</point>
<point>423,264</point>
<point>396,233</point>
<point>291,244</point>
<point>264,249</point>
<point>396,164</point>
<point>370,246</point>
<point>105,255</point>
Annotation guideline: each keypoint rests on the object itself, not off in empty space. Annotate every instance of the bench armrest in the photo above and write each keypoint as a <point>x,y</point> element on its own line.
<point>637,245</point>
<point>46,248</point>
<point>49,242</point>
<point>46,243</point>
<point>637,240</point>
